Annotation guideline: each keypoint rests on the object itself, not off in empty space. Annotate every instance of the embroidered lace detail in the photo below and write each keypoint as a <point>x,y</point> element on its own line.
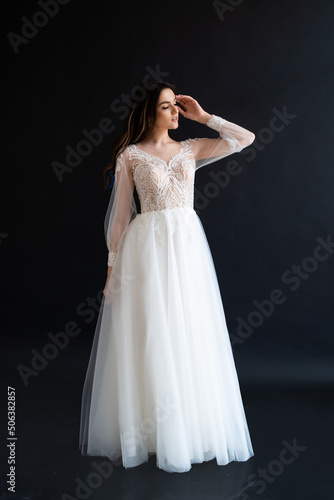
<point>161,184</point>
<point>120,163</point>
<point>180,227</point>
<point>216,123</point>
<point>111,258</point>
<point>194,139</point>
<point>140,225</point>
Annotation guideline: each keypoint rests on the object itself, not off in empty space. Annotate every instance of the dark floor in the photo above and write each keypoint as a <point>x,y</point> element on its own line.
<point>50,467</point>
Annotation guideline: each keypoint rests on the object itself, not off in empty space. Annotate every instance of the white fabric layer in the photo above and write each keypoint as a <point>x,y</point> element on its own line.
<point>161,377</point>
<point>203,151</point>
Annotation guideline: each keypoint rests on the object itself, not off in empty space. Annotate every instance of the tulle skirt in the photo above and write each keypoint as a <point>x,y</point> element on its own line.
<point>161,377</point>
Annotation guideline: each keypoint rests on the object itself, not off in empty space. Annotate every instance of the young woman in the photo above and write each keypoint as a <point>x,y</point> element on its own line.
<point>161,377</point>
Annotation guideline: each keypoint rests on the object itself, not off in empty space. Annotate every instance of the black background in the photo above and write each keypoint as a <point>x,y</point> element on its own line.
<point>262,56</point>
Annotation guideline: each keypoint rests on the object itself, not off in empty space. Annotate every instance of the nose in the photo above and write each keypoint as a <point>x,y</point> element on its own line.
<point>175,109</point>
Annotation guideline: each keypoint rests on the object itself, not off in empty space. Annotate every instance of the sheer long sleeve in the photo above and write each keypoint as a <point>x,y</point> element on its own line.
<point>233,139</point>
<point>122,207</point>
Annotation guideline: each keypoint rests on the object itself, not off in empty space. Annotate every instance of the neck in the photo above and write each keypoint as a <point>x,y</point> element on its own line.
<point>158,137</point>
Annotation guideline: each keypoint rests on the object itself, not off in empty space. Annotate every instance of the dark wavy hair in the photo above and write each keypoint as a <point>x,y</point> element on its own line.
<point>138,124</point>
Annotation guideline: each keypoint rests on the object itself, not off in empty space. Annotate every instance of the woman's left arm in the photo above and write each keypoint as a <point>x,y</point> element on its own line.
<point>233,138</point>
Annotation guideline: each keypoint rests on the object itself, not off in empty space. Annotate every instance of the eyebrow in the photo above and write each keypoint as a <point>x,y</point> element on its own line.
<point>167,102</point>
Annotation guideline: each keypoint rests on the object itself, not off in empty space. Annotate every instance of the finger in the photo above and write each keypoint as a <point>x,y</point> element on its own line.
<point>181,106</point>
<point>180,98</point>
<point>184,97</point>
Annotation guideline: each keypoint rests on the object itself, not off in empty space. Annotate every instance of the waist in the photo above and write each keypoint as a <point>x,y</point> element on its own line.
<point>185,209</point>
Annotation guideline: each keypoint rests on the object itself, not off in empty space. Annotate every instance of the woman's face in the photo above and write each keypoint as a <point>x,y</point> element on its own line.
<point>167,112</point>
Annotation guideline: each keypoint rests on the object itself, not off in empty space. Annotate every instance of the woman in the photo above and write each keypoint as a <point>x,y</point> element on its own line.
<point>161,377</point>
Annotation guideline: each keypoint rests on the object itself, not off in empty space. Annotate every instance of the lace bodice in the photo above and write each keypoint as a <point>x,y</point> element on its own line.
<point>161,184</point>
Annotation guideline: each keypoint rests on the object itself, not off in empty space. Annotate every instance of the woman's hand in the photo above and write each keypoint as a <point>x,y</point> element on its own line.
<point>193,110</point>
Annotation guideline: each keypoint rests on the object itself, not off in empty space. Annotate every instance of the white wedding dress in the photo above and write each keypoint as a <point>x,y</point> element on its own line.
<point>161,377</point>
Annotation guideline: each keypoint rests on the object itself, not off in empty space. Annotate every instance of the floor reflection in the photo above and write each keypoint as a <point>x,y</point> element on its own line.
<point>50,467</point>
<point>203,481</point>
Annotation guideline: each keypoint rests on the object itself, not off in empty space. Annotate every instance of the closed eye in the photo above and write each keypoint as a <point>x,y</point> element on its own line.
<point>166,107</point>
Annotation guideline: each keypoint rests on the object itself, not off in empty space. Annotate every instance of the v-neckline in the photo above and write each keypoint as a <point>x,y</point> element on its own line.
<point>158,157</point>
